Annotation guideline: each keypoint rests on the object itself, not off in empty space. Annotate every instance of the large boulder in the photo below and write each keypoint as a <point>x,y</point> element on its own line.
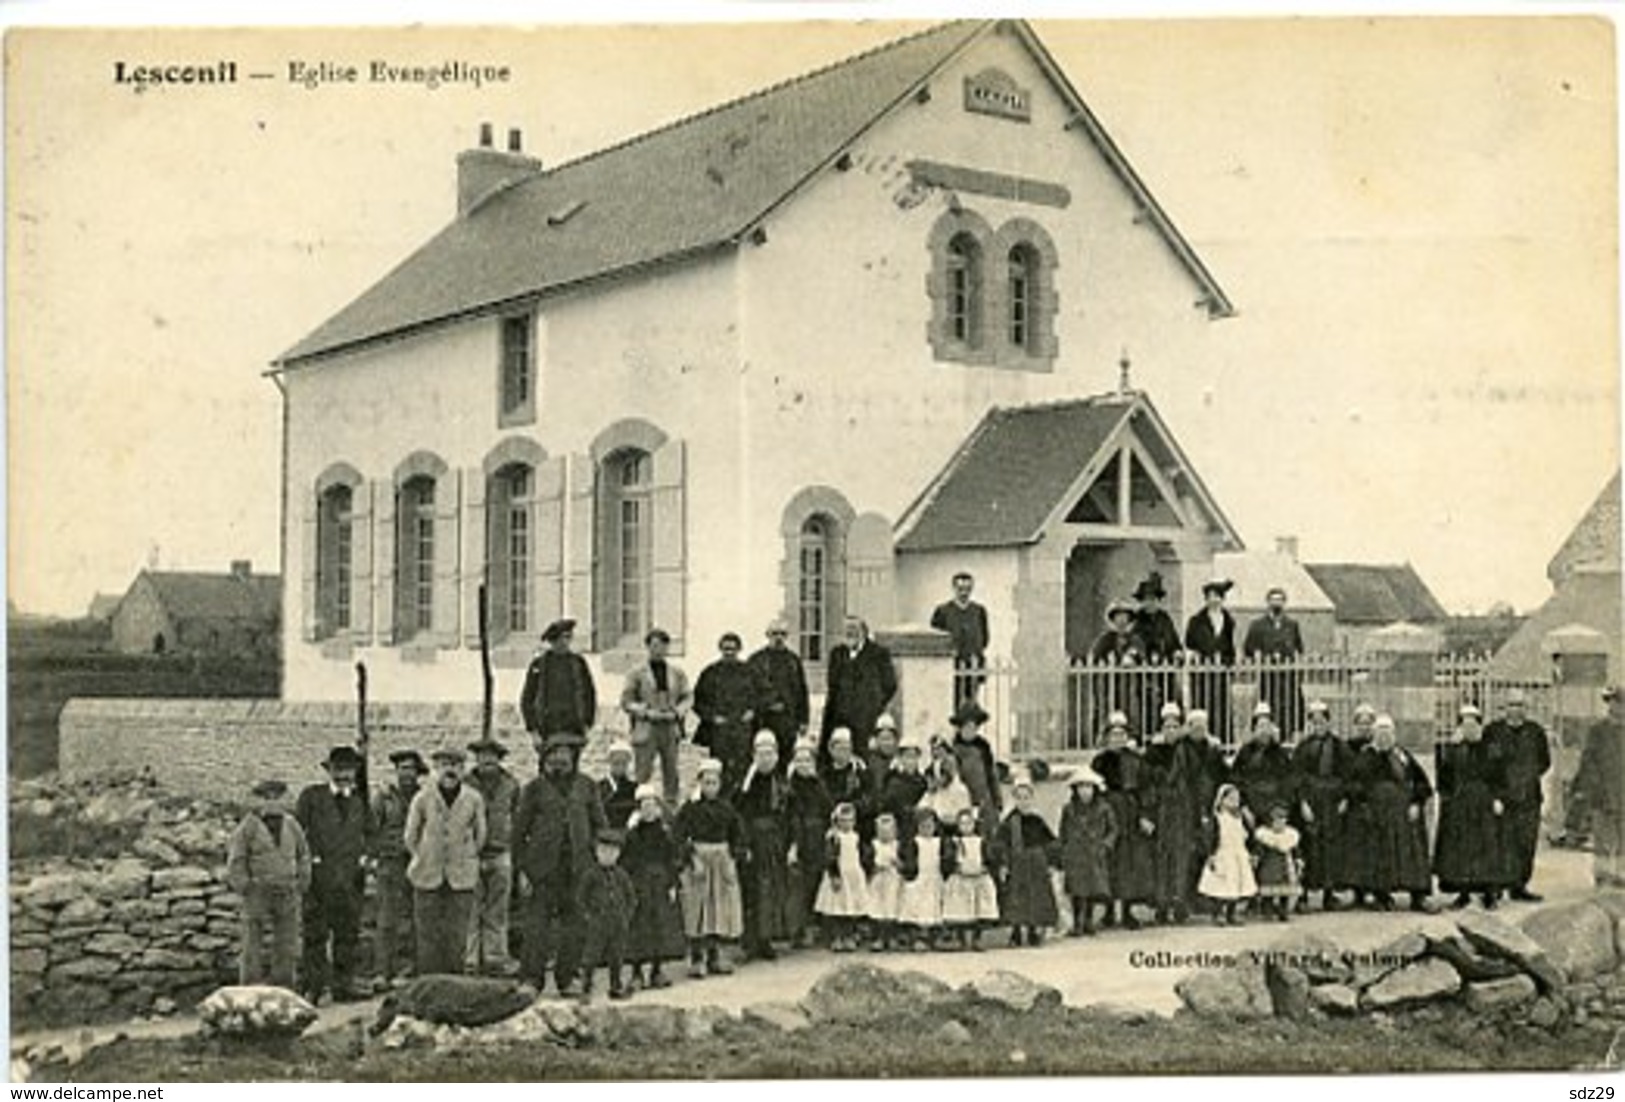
<point>864,992</point>
<point>1578,938</point>
<point>454,1000</point>
<point>1419,982</point>
<point>1493,995</point>
<point>1318,957</point>
<point>1012,991</point>
<point>1494,938</point>
<point>648,1026</point>
<point>1289,991</point>
<point>1335,998</point>
<point>1239,992</point>
<point>783,1017</point>
<point>254,1012</point>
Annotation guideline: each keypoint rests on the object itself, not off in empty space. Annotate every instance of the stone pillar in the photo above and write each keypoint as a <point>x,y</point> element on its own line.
<point>1579,658</point>
<point>924,658</point>
<point>1407,653</point>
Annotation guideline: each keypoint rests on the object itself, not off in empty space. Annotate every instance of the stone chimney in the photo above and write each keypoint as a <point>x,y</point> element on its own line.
<point>241,568</point>
<point>1288,546</point>
<point>486,170</point>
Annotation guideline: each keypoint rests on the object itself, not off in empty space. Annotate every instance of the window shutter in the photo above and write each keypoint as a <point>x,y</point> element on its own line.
<point>578,579</point>
<point>475,550</point>
<point>870,591</point>
<point>547,545</point>
<point>447,556</point>
<point>361,498</point>
<point>383,497</point>
<point>309,552</point>
<point>669,545</point>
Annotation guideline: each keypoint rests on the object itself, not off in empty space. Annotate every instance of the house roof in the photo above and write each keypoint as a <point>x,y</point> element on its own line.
<point>1017,467</point>
<point>198,596</point>
<point>1363,593</point>
<point>696,185</point>
<point>1595,539</point>
<point>1255,573</point>
<point>103,605</point>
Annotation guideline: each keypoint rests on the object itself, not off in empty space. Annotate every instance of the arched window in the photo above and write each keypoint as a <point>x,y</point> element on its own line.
<point>812,608</point>
<point>415,557</point>
<point>334,558</point>
<point>511,541</point>
<point>1021,287</point>
<point>964,270</point>
<point>627,535</point>
<point>813,573</point>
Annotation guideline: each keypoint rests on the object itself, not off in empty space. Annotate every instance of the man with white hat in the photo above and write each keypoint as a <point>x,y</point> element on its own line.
<point>1526,754</point>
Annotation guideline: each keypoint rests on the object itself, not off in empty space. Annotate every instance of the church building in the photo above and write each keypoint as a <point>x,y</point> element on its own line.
<point>803,355</point>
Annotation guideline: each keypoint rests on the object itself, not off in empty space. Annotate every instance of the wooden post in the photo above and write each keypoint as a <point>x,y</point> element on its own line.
<point>361,737</point>
<point>485,665</point>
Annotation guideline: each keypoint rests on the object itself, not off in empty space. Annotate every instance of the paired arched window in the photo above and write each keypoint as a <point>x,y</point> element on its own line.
<point>992,292</point>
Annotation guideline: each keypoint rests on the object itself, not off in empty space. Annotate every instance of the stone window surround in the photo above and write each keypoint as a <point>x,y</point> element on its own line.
<point>993,347</point>
<point>335,475</point>
<point>811,501</point>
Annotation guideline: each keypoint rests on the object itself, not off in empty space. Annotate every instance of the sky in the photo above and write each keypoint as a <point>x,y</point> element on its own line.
<point>1416,218</point>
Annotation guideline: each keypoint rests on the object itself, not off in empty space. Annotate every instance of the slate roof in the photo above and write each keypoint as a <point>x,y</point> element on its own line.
<point>1595,540</point>
<point>1255,573</point>
<point>1371,594</point>
<point>199,596</point>
<point>699,184</point>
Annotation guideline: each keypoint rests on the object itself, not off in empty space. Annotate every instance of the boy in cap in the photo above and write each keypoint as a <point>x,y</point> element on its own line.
<point>335,819</point>
<point>488,934</point>
<point>607,899</point>
<point>397,937</point>
<point>268,864</point>
<point>618,791</point>
<point>445,832</point>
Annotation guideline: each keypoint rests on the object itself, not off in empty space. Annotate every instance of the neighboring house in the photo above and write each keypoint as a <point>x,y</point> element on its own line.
<point>1585,575</point>
<point>170,612</point>
<point>102,607</point>
<point>780,358</point>
<point>1367,598</point>
<point>1255,573</point>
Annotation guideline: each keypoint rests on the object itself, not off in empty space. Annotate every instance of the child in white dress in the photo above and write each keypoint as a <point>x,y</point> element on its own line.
<point>843,895</point>
<point>1227,878</point>
<point>970,900</point>
<point>921,909</point>
<point>885,882</point>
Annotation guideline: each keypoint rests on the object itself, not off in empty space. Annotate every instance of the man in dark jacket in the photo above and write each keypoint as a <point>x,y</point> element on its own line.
<point>728,697</point>
<point>1597,802</point>
<point>1275,637</point>
<point>1526,755</point>
<point>785,707</point>
<point>1159,644</point>
<point>1210,639</point>
<point>862,682</point>
<point>396,938</point>
<point>966,622</point>
<point>559,694</point>
<point>335,821</point>
<point>554,834</point>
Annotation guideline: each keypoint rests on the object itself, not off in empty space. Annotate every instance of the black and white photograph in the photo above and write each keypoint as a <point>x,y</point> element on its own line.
<point>788,547</point>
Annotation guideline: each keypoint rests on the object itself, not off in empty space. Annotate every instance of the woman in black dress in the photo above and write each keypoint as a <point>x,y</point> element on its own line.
<point>1391,794</point>
<point>1130,795</point>
<point>1471,853</point>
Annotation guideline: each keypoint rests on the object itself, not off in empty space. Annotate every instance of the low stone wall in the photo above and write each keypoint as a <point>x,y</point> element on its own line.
<point>216,749</point>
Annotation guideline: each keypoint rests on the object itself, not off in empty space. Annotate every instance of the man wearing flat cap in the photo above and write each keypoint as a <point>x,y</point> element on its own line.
<point>335,819</point>
<point>445,831</point>
<point>488,933</point>
<point>268,864</point>
<point>1275,638</point>
<point>1526,755</point>
<point>559,818</point>
<point>559,694</point>
<point>656,698</point>
<point>1598,800</point>
<point>786,708</point>
<point>396,941</point>
<point>1210,639</point>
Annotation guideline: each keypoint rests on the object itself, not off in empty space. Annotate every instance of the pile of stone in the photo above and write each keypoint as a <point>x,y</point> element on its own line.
<point>147,927</point>
<point>1560,967</point>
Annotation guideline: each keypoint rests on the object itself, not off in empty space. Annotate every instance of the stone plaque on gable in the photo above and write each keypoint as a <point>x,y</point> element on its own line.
<point>993,92</point>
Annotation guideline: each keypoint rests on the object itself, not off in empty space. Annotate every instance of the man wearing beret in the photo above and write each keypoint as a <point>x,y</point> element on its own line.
<point>268,864</point>
<point>335,820</point>
<point>559,694</point>
<point>488,933</point>
<point>445,830</point>
<point>397,939</point>
<point>656,699</point>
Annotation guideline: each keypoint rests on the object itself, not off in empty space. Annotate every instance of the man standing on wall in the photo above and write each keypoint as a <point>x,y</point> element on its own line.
<point>487,949</point>
<point>1526,755</point>
<point>785,708</point>
<point>1274,638</point>
<point>559,694</point>
<point>1210,639</point>
<point>657,699</point>
<point>862,682</point>
<point>965,621</point>
<point>335,820</point>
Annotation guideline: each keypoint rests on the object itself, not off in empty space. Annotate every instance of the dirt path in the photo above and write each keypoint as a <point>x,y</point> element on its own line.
<point>1107,968</point>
